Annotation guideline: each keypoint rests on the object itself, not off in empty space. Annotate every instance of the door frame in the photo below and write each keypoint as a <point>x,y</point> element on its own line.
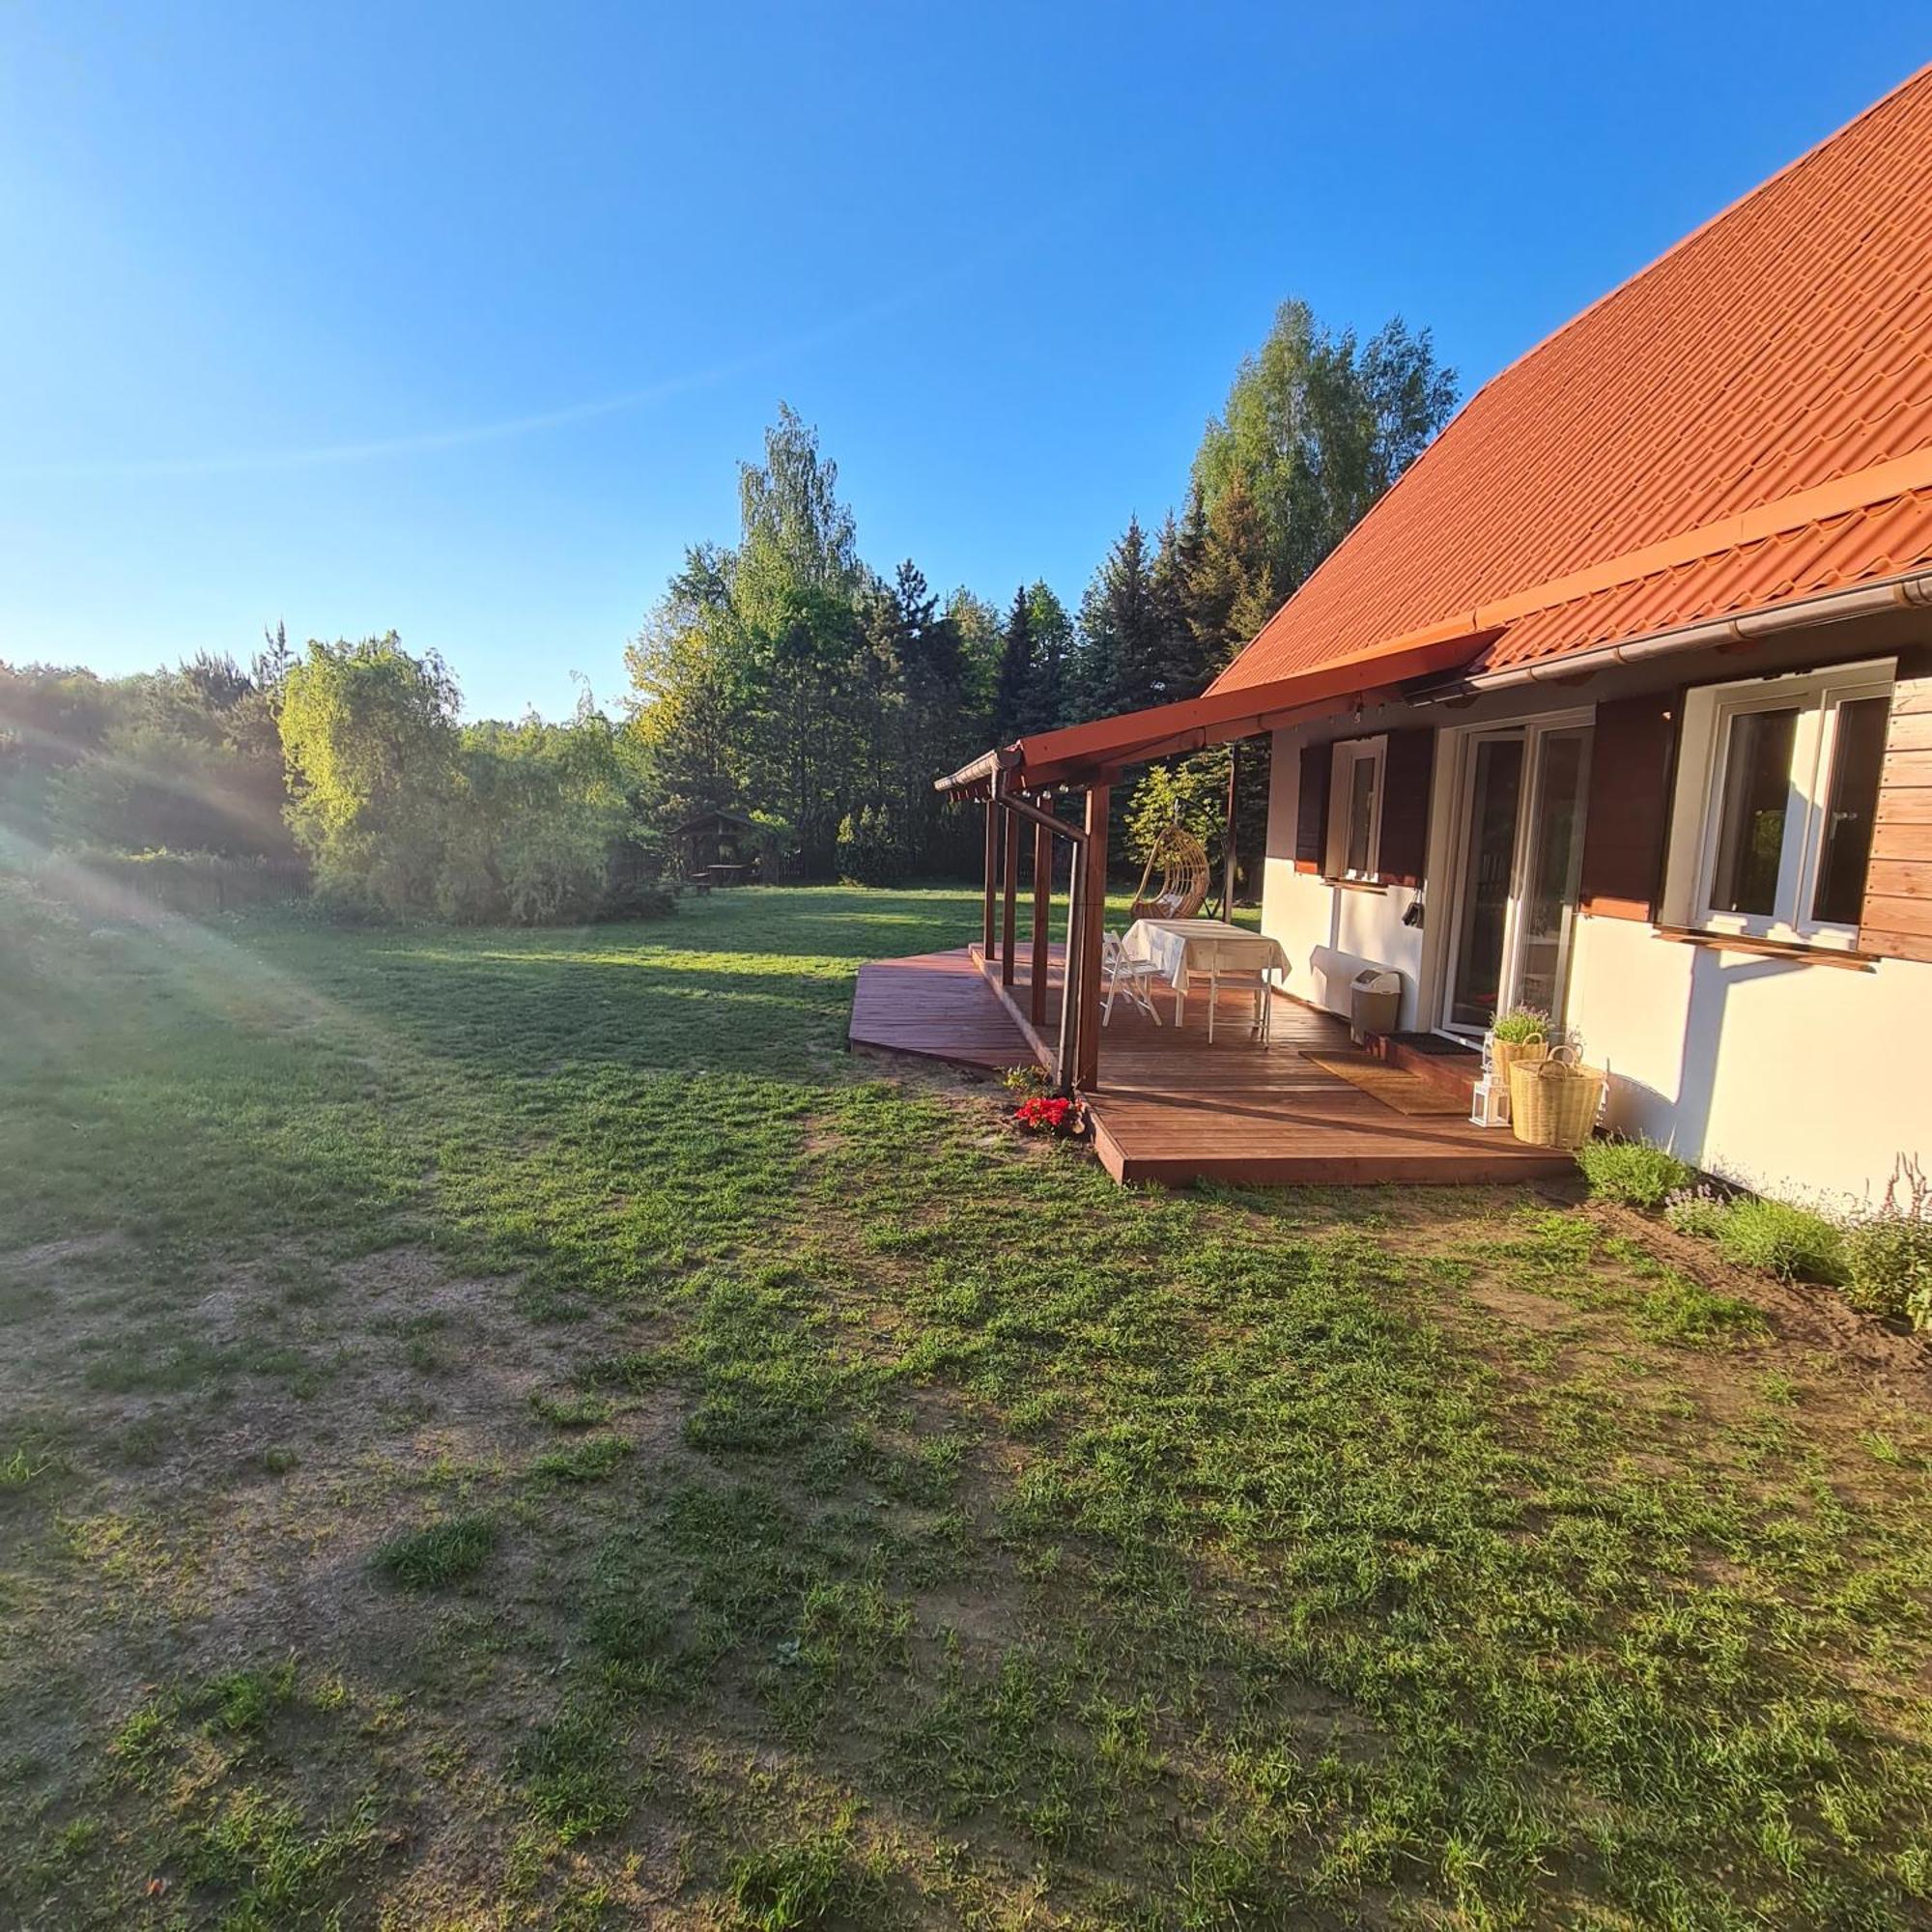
<point>1465,738</point>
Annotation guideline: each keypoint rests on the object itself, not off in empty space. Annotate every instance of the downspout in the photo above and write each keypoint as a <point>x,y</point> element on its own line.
<point>1835,606</point>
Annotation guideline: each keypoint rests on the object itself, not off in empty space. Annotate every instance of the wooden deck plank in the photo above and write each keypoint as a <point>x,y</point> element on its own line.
<point>1169,1108</point>
<point>936,1007</point>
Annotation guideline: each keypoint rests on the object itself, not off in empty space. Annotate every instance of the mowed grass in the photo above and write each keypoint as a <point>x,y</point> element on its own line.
<point>520,1428</point>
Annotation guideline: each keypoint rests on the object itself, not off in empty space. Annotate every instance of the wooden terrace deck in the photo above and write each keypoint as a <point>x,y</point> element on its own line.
<point>1168,1107</point>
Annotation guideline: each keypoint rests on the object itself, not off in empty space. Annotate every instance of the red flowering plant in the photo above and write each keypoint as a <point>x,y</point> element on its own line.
<point>1060,1118</point>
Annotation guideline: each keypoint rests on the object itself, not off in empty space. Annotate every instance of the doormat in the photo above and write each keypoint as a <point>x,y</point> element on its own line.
<point>1406,1093</point>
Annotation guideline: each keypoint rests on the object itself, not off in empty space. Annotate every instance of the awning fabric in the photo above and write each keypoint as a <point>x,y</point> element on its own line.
<point>1079,753</point>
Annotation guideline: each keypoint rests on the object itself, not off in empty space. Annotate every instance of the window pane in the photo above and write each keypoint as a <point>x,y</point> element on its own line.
<point>1361,816</point>
<point>1555,868</point>
<point>1858,750</point>
<point>1750,814</point>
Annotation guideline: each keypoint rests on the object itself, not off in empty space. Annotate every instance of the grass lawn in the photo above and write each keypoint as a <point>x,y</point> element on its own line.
<point>520,1428</point>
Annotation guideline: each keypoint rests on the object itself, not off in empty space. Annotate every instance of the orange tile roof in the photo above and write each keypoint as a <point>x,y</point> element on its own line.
<point>1748,420</point>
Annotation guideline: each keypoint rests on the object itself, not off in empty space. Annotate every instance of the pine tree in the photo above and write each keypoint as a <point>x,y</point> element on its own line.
<point>1123,659</point>
<point>1052,645</point>
<point>1183,661</point>
<point>1016,669</point>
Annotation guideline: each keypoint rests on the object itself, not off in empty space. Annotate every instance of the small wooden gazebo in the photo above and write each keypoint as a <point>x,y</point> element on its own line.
<point>718,847</point>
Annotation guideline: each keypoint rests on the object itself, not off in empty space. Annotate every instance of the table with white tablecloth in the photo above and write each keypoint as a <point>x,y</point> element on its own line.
<point>1183,950</point>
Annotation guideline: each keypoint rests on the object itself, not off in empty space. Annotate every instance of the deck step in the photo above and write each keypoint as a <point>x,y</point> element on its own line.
<point>1442,1063</point>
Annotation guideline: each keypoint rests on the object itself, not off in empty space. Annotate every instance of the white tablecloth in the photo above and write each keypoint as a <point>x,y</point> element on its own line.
<point>1181,950</point>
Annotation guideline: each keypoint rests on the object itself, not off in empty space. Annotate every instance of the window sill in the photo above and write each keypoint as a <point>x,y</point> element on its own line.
<point>1796,951</point>
<point>1357,885</point>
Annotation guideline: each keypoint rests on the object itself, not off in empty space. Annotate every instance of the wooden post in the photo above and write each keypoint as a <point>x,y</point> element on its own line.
<point>1011,881</point>
<point>1228,836</point>
<point>1042,923</point>
<point>992,861</point>
<point>1066,1048</point>
<point>1093,920</point>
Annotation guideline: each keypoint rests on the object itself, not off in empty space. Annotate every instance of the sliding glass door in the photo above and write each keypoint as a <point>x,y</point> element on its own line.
<point>1520,845</point>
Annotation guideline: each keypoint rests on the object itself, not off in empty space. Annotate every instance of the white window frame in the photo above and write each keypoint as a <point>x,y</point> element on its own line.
<point>1708,713</point>
<point>1460,743</point>
<point>1344,755</point>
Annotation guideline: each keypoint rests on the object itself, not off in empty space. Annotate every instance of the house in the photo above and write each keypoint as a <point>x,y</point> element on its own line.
<point>1619,704</point>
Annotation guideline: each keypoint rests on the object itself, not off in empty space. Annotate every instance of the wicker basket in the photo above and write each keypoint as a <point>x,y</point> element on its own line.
<point>1505,1054</point>
<point>1553,1100</point>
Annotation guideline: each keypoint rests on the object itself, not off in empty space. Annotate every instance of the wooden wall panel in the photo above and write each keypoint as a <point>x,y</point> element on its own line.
<point>1897,917</point>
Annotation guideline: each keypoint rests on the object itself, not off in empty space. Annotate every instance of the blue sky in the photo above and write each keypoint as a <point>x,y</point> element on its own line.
<point>458,319</point>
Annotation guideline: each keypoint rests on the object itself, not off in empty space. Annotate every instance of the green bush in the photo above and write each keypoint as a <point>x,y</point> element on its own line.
<point>1634,1172</point>
<point>870,852</point>
<point>641,898</point>
<point>1192,793</point>
<point>1889,1267</point>
<point>1790,1243</point>
<point>194,883</point>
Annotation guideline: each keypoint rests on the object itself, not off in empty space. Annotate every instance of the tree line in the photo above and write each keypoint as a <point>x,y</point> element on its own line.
<point>781,674</point>
<point>779,677</point>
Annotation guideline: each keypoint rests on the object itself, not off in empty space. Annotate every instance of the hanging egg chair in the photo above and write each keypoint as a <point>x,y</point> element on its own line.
<point>1181,862</point>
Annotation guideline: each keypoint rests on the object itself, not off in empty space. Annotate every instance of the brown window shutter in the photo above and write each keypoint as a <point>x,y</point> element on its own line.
<point>1633,757</point>
<point>1405,831</point>
<point>1898,920</point>
<point>1311,811</point>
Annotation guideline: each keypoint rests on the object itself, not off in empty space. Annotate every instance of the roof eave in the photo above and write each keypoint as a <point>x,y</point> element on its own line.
<point>1083,751</point>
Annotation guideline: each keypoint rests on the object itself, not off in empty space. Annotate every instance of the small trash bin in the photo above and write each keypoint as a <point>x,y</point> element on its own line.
<point>1374,1000</point>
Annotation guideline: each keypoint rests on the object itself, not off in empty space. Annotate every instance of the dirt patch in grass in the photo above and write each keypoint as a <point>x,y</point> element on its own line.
<point>275,1449</point>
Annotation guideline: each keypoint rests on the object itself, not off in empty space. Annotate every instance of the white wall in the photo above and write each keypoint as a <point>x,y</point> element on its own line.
<point>1802,1079</point>
<point>1305,912</point>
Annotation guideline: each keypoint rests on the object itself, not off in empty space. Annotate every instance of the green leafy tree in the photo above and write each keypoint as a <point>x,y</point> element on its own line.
<point>369,733</point>
<point>1317,426</point>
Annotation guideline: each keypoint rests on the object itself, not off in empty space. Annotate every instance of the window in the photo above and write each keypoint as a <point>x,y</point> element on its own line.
<point>1788,768</point>
<point>1355,808</point>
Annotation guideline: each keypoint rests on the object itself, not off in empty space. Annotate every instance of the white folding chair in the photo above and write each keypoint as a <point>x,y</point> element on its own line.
<point>1245,979</point>
<point>1131,977</point>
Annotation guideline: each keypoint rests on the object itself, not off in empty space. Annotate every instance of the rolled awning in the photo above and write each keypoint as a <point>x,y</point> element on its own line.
<point>1079,752</point>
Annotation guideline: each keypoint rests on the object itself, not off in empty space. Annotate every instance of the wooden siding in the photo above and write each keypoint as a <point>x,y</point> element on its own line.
<point>1898,914</point>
